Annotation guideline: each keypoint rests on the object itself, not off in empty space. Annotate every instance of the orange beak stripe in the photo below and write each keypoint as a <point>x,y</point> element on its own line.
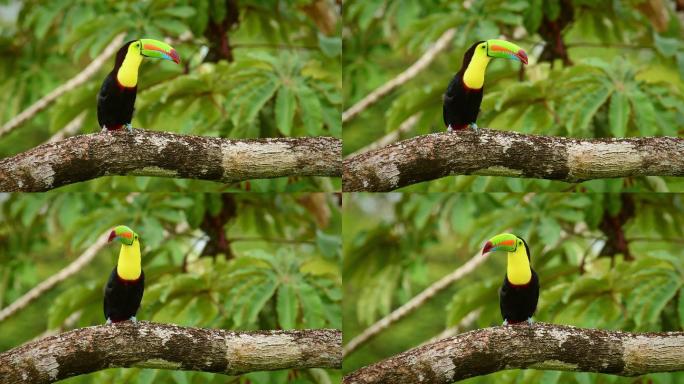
<point>127,235</point>
<point>508,242</point>
<point>499,48</point>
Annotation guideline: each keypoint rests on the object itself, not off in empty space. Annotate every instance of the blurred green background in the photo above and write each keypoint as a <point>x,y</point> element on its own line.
<point>611,261</point>
<point>231,261</point>
<point>249,69</point>
<point>597,69</point>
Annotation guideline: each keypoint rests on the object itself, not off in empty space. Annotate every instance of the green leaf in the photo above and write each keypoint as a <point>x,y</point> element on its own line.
<point>533,15</point>
<point>680,308</point>
<point>182,11</point>
<point>261,296</point>
<point>286,306</point>
<point>175,27</point>
<point>329,245</point>
<point>285,110</point>
<point>312,306</point>
<point>331,46</point>
<point>645,114</point>
<point>667,46</point>
<point>618,114</point>
<point>310,110</point>
<point>549,229</point>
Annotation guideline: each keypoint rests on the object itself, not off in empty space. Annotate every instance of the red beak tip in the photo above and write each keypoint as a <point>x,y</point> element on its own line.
<point>488,246</point>
<point>112,235</point>
<point>174,56</point>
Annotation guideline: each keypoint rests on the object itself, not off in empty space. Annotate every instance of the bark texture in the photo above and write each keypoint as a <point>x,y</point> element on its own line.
<point>501,153</point>
<point>149,153</point>
<point>540,346</point>
<point>166,346</point>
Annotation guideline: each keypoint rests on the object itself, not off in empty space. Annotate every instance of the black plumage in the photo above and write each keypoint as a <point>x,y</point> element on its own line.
<point>115,103</point>
<point>122,297</point>
<point>519,302</point>
<point>461,104</point>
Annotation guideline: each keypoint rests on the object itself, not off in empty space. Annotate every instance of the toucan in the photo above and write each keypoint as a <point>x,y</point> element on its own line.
<point>116,98</point>
<point>464,95</point>
<point>519,292</point>
<point>124,289</point>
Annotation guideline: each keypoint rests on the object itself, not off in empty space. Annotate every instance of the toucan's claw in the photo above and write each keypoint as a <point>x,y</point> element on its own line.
<point>104,129</point>
<point>449,129</point>
<point>505,323</point>
<point>109,321</point>
<point>474,127</point>
<point>530,321</point>
<point>134,320</point>
<point>129,127</point>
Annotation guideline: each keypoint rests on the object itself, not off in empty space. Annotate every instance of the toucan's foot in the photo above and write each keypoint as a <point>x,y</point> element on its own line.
<point>474,127</point>
<point>104,129</point>
<point>109,321</point>
<point>134,320</point>
<point>129,127</point>
<point>530,321</point>
<point>505,323</point>
<point>449,129</point>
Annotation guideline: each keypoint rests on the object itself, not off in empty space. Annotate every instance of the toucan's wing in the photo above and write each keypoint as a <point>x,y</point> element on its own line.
<point>535,289</point>
<point>109,287</point>
<point>504,290</point>
<point>139,289</point>
<point>103,97</point>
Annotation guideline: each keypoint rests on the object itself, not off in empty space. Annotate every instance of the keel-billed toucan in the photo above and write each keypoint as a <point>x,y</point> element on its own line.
<point>117,95</point>
<point>519,292</point>
<point>126,284</point>
<point>464,94</point>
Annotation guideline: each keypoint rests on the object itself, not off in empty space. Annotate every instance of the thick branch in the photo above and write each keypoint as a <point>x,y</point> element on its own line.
<point>540,346</point>
<point>500,153</point>
<point>166,346</point>
<point>148,153</point>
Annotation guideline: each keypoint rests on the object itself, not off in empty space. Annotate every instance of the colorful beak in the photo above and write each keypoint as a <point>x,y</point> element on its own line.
<point>159,50</point>
<point>502,242</point>
<point>123,234</point>
<point>505,50</point>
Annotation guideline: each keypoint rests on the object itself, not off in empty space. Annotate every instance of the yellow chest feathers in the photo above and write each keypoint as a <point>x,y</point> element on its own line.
<point>129,265</point>
<point>474,74</point>
<point>127,75</point>
<point>518,268</point>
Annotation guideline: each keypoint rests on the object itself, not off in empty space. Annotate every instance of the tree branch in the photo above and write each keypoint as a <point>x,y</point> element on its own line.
<point>150,153</point>
<point>166,346</point>
<point>501,153</point>
<point>75,266</point>
<point>540,346</point>
<point>71,84</point>
<point>391,137</point>
<point>423,62</point>
<point>414,303</point>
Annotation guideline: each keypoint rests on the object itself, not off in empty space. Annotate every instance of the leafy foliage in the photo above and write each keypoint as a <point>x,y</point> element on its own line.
<point>396,245</point>
<point>277,73</point>
<point>279,268</point>
<point>614,69</point>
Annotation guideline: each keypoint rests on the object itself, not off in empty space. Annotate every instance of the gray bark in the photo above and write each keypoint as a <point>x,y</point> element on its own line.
<point>150,153</point>
<point>501,153</point>
<point>166,346</point>
<point>540,346</point>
